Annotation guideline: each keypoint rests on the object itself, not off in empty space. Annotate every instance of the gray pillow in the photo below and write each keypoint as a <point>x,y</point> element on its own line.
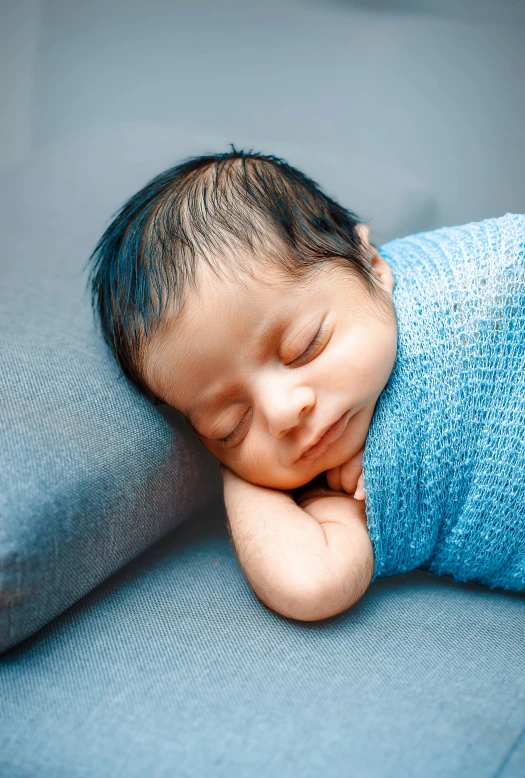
<point>91,474</point>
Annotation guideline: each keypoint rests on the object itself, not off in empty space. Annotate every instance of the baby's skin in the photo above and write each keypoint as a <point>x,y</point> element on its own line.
<point>312,568</point>
<point>270,363</point>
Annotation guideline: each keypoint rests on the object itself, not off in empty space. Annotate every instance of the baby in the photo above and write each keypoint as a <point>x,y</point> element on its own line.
<point>234,290</point>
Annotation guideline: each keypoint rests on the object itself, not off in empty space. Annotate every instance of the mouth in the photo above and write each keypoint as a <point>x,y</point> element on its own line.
<point>330,436</point>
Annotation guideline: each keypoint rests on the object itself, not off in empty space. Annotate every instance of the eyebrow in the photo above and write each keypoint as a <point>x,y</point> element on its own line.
<point>269,335</point>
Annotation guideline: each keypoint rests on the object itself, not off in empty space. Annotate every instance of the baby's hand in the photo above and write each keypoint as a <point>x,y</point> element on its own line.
<point>348,477</point>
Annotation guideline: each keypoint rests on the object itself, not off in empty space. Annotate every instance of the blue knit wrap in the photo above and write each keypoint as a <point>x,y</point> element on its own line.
<point>444,459</point>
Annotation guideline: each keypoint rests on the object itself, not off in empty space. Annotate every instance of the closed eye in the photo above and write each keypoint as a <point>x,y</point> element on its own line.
<point>230,439</point>
<point>315,342</point>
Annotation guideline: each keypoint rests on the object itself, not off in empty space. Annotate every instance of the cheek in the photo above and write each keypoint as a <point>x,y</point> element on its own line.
<point>256,458</point>
<point>250,457</point>
<point>366,353</point>
<point>355,354</point>
<point>257,448</point>
<point>385,348</point>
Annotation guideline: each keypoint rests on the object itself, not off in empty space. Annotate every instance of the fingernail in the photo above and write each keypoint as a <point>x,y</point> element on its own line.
<point>360,493</point>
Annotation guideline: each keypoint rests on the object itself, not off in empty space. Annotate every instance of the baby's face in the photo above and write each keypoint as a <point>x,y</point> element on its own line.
<point>240,363</point>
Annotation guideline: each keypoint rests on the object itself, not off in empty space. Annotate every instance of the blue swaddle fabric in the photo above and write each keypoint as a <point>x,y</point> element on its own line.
<point>444,459</point>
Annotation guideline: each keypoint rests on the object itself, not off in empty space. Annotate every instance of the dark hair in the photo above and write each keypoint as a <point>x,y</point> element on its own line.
<point>198,209</point>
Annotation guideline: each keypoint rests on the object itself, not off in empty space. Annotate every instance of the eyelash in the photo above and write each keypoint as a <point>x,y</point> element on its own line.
<point>313,344</point>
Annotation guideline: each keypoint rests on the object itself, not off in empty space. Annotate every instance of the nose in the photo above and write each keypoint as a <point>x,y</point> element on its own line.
<point>284,405</point>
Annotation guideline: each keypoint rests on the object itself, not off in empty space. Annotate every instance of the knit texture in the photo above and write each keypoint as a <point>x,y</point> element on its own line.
<point>444,459</point>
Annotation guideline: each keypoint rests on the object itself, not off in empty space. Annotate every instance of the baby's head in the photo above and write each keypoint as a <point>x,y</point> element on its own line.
<point>233,289</point>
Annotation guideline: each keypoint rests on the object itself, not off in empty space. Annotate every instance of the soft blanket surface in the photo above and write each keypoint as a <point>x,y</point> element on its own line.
<point>444,459</point>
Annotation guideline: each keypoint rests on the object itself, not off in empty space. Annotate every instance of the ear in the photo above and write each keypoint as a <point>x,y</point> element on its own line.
<point>383,271</point>
<point>380,267</point>
<point>363,230</point>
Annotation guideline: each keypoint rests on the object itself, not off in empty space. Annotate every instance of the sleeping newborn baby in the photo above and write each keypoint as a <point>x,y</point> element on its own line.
<point>314,366</point>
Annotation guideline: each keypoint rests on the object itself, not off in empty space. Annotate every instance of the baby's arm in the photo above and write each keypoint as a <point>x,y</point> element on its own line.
<point>308,561</point>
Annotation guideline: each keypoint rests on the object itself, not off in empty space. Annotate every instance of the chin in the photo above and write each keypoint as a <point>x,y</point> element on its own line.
<point>315,469</point>
<point>295,480</point>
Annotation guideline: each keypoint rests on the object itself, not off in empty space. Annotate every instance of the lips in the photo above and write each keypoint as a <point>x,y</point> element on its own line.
<point>332,434</point>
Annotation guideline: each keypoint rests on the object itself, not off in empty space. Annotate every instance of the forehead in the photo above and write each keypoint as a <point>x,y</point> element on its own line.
<point>218,318</point>
<point>245,294</point>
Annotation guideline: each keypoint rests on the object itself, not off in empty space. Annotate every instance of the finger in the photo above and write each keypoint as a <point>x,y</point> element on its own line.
<point>351,470</point>
<point>360,492</point>
<point>333,478</point>
<point>350,473</point>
